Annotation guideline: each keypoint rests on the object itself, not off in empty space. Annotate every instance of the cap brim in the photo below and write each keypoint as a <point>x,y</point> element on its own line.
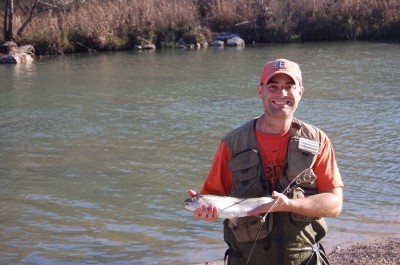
<point>281,72</point>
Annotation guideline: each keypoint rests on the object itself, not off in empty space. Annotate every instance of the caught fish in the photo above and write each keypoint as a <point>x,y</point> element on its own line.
<point>228,207</point>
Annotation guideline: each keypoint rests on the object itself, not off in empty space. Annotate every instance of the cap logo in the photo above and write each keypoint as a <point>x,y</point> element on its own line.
<point>278,64</point>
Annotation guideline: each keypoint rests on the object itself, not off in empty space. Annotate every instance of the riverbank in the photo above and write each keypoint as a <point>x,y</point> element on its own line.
<point>126,24</point>
<point>373,252</point>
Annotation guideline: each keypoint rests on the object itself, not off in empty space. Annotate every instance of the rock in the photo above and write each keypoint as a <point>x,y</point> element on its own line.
<point>16,58</point>
<point>224,36</point>
<point>217,43</point>
<point>182,44</point>
<point>149,47</point>
<point>145,47</point>
<point>15,54</point>
<point>235,41</point>
<point>375,252</point>
<point>228,39</point>
<point>204,44</point>
<point>28,49</point>
<point>8,47</point>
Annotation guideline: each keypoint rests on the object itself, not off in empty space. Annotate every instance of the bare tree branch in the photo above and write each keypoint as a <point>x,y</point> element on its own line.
<point>31,15</point>
<point>36,10</point>
<point>58,3</point>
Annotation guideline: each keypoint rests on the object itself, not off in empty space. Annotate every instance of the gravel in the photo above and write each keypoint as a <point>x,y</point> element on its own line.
<point>373,252</point>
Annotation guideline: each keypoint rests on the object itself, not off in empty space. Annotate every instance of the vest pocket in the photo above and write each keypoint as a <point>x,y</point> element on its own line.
<point>246,229</point>
<point>300,193</point>
<point>300,156</point>
<point>245,168</point>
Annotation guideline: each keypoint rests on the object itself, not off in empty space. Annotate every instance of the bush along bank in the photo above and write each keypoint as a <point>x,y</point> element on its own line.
<point>103,25</point>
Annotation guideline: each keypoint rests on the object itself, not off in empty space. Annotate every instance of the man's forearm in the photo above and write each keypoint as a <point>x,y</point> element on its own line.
<point>327,204</point>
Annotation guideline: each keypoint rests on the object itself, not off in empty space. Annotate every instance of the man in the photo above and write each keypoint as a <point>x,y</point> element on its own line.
<point>280,156</point>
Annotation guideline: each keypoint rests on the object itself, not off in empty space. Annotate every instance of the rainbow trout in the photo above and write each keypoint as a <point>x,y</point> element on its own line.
<point>228,207</point>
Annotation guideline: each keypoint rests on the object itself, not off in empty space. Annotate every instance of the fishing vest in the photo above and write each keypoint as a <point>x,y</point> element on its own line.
<point>284,238</point>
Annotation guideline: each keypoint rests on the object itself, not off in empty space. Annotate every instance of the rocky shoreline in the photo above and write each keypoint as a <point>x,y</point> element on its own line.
<point>374,252</point>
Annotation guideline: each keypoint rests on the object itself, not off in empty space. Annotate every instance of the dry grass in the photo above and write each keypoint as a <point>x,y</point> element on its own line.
<point>119,24</point>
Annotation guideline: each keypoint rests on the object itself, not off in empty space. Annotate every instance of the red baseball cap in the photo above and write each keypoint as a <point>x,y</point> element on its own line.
<point>284,66</point>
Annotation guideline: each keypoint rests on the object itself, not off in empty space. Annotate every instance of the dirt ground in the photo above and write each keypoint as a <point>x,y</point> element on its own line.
<point>374,252</point>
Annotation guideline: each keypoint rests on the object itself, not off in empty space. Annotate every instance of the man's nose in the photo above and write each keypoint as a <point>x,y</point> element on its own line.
<point>283,92</point>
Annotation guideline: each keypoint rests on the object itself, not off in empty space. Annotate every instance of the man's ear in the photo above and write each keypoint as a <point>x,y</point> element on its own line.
<point>259,90</point>
<point>301,91</point>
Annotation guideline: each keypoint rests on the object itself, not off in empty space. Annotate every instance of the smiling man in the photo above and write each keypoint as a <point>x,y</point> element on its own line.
<point>266,157</point>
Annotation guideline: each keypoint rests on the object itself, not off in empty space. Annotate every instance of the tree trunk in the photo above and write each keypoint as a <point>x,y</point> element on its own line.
<point>11,21</point>
<point>5,27</point>
<point>8,20</point>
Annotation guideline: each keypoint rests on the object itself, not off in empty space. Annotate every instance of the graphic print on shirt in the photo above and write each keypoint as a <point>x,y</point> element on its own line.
<point>273,170</point>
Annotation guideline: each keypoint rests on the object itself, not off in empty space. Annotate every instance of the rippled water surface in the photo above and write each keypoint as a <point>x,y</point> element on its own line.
<point>97,151</point>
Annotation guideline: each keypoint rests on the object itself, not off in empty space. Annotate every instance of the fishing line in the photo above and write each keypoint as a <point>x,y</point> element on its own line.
<point>304,177</point>
<point>234,204</point>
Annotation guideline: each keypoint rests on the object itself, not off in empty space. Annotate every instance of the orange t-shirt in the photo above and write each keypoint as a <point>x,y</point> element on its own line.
<point>273,152</point>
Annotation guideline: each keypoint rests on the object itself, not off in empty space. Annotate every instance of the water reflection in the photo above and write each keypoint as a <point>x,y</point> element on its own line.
<point>21,74</point>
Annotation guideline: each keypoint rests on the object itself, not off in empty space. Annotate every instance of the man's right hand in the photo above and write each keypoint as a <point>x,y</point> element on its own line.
<point>207,213</point>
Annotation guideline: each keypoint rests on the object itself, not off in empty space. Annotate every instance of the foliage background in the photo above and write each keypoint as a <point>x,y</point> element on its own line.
<point>122,24</point>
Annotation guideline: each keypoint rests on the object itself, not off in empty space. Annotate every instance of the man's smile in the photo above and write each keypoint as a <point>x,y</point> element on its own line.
<point>281,102</point>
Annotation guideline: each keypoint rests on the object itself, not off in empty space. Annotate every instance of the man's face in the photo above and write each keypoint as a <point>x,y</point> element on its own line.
<point>280,96</point>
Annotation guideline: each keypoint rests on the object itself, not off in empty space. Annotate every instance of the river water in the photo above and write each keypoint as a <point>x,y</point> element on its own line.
<point>97,151</point>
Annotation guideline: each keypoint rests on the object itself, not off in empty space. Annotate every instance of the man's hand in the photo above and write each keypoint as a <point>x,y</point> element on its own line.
<point>325,204</point>
<point>278,205</point>
<point>205,212</point>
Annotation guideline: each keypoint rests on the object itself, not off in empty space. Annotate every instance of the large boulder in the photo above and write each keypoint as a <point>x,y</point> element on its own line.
<point>16,58</point>
<point>227,39</point>
<point>14,54</point>
<point>235,41</point>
